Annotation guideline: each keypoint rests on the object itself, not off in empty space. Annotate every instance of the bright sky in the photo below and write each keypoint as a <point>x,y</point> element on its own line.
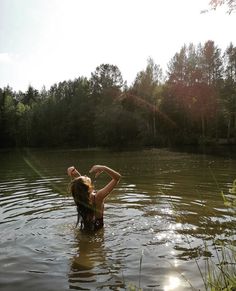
<point>43,42</point>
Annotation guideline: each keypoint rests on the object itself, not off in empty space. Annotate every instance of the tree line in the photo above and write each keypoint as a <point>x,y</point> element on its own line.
<point>194,103</point>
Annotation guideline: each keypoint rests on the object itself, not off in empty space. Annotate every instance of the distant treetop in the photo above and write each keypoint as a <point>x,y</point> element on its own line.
<point>230,3</point>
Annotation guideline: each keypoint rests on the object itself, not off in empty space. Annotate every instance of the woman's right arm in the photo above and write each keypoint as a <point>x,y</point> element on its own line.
<point>72,172</point>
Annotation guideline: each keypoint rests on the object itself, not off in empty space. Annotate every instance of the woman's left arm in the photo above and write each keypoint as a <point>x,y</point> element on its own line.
<point>97,169</point>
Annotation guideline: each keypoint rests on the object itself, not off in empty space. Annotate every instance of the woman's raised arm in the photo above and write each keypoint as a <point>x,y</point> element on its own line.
<point>72,172</point>
<point>97,170</point>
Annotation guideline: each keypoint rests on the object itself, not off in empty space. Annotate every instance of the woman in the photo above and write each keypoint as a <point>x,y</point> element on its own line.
<point>90,203</point>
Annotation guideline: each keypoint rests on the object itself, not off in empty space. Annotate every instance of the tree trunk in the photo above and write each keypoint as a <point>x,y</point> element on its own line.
<point>154,125</point>
<point>228,128</point>
<point>203,125</point>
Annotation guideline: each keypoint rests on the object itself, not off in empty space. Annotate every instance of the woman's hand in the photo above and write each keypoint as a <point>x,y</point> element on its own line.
<point>115,177</point>
<point>72,172</point>
<point>97,170</point>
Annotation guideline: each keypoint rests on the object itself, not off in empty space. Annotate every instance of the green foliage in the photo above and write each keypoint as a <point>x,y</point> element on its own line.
<point>221,275</point>
<point>105,77</point>
<point>132,287</point>
<point>116,127</point>
<point>195,105</point>
<point>233,189</point>
<point>230,201</point>
<point>193,89</point>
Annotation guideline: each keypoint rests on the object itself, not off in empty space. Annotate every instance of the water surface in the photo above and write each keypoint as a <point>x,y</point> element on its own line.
<point>158,221</point>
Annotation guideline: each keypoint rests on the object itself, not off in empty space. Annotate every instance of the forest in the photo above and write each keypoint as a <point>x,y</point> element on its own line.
<point>193,103</point>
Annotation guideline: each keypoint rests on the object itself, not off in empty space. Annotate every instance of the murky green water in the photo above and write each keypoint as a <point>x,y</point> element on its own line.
<point>156,221</point>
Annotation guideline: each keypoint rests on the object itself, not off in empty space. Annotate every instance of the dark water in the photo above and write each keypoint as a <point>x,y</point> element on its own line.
<point>161,222</point>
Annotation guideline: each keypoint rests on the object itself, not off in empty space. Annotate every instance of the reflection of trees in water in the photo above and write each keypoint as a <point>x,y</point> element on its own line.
<point>91,268</point>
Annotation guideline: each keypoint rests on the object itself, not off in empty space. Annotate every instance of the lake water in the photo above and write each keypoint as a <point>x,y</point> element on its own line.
<point>162,221</point>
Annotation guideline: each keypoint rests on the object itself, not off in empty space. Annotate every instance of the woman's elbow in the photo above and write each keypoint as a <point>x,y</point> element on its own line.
<point>118,177</point>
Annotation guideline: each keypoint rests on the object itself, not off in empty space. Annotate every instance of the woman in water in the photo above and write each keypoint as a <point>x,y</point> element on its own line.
<point>90,203</point>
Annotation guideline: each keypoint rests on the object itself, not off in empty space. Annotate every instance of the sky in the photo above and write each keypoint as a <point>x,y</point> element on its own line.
<point>43,42</point>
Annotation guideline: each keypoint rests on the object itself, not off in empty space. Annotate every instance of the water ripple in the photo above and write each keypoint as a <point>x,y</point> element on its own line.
<point>165,206</point>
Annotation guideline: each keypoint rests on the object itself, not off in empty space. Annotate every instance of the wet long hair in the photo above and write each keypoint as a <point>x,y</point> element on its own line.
<point>80,190</point>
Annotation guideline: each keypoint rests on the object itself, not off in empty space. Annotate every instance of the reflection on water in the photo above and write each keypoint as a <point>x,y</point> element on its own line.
<point>172,283</point>
<point>89,254</point>
<point>156,221</point>
<point>91,266</point>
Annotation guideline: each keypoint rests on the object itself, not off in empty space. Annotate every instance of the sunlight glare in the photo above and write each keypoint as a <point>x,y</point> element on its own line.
<point>175,226</point>
<point>173,283</point>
